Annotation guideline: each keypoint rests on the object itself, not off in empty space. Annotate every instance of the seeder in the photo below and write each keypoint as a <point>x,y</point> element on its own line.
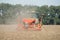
<point>31,24</point>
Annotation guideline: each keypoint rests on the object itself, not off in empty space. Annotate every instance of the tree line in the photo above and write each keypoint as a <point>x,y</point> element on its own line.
<point>9,12</point>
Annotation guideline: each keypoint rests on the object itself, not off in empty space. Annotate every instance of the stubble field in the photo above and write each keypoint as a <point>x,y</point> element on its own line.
<point>48,32</point>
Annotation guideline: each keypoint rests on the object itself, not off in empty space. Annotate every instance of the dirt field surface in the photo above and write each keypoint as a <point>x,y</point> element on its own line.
<point>48,32</point>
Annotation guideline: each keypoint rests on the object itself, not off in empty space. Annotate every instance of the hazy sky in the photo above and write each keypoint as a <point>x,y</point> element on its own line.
<point>32,2</point>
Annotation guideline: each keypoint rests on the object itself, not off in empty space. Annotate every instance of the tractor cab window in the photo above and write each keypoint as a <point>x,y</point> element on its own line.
<point>34,15</point>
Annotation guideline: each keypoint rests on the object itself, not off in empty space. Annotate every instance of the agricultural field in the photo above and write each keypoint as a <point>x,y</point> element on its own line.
<point>48,32</point>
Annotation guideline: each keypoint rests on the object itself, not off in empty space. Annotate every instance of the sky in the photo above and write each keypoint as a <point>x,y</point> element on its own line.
<point>32,2</point>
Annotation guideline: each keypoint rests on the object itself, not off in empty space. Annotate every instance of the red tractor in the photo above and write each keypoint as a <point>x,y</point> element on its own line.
<point>31,23</point>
